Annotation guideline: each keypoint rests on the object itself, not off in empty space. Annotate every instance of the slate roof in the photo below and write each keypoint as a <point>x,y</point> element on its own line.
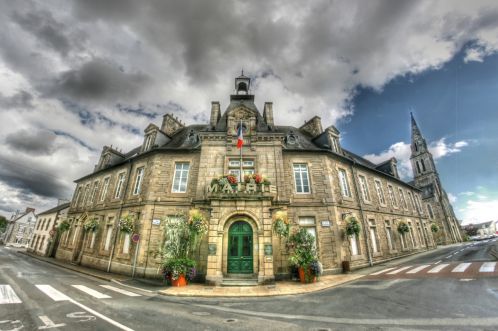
<point>55,209</point>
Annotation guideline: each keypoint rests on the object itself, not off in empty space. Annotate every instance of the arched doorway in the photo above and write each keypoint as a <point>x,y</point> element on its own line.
<point>240,248</point>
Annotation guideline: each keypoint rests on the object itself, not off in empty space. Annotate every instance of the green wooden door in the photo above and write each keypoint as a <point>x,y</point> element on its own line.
<point>240,248</point>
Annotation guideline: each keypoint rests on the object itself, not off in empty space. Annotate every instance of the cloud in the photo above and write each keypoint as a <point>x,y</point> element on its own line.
<point>452,198</point>
<point>37,142</point>
<point>467,193</point>
<point>402,152</point>
<point>480,211</point>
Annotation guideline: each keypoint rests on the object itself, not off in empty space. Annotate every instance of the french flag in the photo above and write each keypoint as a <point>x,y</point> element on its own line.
<point>240,138</point>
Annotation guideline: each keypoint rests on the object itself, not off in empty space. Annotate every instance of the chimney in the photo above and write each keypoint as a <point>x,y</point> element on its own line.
<point>171,125</point>
<point>215,113</point>
<point>29,209</point>
<point>268,113</point>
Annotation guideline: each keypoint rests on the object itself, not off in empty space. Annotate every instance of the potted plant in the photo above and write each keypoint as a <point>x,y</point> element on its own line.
<point>63,226</point>
<point>304,256</point>
<point>127,223</point>
<point>352,227</point>
<point>403,228</point>
<point>91,225</point>
<point>434,228</point>
<point>182,236</point>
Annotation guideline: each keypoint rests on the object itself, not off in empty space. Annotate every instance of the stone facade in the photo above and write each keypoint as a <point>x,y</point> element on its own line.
<point>308,176</point>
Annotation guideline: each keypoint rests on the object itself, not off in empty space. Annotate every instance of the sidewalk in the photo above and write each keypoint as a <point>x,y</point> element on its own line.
<point>202,290</point>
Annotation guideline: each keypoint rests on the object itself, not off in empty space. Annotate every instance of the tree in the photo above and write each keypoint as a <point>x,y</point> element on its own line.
<point>471,230</point>
<point>3,223</point>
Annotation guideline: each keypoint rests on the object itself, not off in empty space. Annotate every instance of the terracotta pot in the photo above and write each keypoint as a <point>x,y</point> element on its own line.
<point>181,281</point>
<point>302,277</point>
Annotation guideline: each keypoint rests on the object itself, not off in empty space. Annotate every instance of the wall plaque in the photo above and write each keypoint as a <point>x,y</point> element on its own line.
<point>212,249</point>
<point>326,223</point>
<point>268,249</point>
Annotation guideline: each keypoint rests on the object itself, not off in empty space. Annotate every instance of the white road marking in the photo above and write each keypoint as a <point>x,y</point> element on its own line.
<point>57,296</point>
<point>437,269</point>
<point>53,293</point>
<point>488,267</point>
<point>399,270</point>
<point>116,289</point>
<point>48,323</point>
<point>417,269</point>
<point>7,295</point>
<point>438,262</point>
<point>382,271</point>
<point>461,267</point>
<point>91,292</point>
<point>466,279</point>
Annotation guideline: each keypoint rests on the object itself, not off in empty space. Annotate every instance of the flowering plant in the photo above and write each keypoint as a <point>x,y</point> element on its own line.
<point>127,224</point>
<point>91,225</point>
<point>352,226</point>
<point>281,225</point>
<point>197,223</point>
<point>253,178</point>
<point>63,226</point>
<point>403,227</point>
<point>316,268</point>
<point>173,268</point>
<point>434,228</point>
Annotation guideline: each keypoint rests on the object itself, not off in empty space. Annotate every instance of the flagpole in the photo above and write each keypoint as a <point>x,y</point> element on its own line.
<point>241,173</point>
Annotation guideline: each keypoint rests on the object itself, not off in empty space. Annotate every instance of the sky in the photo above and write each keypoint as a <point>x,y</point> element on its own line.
<point>78,75</point>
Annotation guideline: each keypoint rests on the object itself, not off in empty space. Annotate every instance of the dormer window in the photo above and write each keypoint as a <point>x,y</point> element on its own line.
<point>148,142</point>
<point>335,145</point>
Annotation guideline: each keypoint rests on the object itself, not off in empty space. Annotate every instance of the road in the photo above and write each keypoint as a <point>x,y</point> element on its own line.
<point>35,295</point>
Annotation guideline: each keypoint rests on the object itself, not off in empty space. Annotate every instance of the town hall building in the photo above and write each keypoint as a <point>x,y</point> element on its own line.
<point>308,176</point>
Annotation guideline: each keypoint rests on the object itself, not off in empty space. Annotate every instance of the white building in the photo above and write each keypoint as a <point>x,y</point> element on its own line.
<point>20,228</point>
<point>45,228</point>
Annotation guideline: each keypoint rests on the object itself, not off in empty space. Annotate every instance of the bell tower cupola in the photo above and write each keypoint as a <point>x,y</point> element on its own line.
<point>242,84</point>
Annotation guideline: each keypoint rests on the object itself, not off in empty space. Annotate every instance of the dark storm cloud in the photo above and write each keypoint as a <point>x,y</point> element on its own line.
<point>31,179</point>
<point>37,142</point>
<point>45,28</point>
<point>99,80</point>
<point>21,99</point>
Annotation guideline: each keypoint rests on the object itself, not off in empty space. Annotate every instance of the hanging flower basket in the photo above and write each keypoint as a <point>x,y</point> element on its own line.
<point>197,222</point>
<point>352,226</point>
<point>91,225</point>
<point>403,228</point>
<point>127,224</point>
<point>63,226</point>
<point>434,228</point>
<point>281,225</point>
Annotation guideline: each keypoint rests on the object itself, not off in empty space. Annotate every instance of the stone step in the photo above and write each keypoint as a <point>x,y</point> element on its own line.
<point>239,282</point>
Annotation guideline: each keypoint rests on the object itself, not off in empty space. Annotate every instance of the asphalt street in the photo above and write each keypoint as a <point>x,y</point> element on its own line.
<point>35,295</point>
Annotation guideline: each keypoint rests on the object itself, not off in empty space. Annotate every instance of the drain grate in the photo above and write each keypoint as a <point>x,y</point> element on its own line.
<point>230,320</point>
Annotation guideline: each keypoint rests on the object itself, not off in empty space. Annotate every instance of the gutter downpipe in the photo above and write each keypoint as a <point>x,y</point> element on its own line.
<point>116,222</point>
<point>360,204</point>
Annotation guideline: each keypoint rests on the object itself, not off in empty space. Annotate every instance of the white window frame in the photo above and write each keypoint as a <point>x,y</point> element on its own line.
<point>365,194</point>
<point>392,197</point>
<point>380,192</point>
<point>119,185</point>
<point>94,192</point>
<point>402,199</point>
<point>108,237</point>
<point>372,227</point>
<point>139,175</point>
<point>412,201</point>
<point>126,243</point>
<point>343,182</point>
<point>105,187</point>
<point>148,142</point>
<point>182,179</point>
<point>353,241</point>
<point>430,211</point>
<point>389,236</point>
<point>299,169</point>
<point>309,223</point>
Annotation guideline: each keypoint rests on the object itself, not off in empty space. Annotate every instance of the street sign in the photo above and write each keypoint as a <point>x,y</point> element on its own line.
<point>135,237</point>
<point>156,222</point>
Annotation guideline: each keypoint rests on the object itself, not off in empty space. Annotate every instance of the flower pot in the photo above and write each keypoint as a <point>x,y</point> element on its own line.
<point>303,279</point>
<point>180,281</point>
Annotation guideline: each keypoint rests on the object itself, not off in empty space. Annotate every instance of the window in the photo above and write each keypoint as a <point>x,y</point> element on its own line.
<point>181,177</point>
<point>301,178</point>
<point>48,224</point>
<point>391,196</point>
<point>92,241</point>
<point>335,145</point>
<point>402,199</point>
<point>78,196</point>
<point>308,223</point>
<point>119,185</point>
<point>389,235</point>
<point>343,181</point>
<point>380,192</point>
<point>148,142</point>
<point>355,245</point>
<point>126,243</point>
<point>234,168</point>
<point>419,233</point>
<point>108,236</point>
<point>411,200</point>
<point>423,164</point>
<point>417,203</point>
<point>94,192</point>
<point>138,180</point>
<point>418,167</point>
<point>76,230</point>
<point>429,210</point>
<point>364,188</point>
<point>412,238</point>
<point>373,236</point>
<point>104,189</point>
<point>85,195</point>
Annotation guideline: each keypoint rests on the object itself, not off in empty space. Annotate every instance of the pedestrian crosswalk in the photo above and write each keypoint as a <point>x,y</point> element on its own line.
<point>444,269</point>
<point>8,294</point>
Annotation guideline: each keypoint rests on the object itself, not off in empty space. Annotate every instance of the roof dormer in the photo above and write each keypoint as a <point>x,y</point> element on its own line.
<point>153,137</point>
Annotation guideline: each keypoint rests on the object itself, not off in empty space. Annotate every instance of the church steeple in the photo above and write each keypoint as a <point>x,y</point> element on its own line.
<point>421,158</point>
